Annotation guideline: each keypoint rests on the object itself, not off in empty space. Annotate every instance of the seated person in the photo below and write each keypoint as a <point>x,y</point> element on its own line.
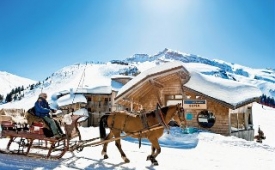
<point>42,110</point>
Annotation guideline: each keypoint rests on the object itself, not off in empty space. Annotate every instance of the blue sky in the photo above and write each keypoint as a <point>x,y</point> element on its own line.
<point>39,37</point>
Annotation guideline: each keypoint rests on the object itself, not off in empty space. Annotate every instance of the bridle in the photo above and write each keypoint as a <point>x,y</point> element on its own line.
<point>180,113</point>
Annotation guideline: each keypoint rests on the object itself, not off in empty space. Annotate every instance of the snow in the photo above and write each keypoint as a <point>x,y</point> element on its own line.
<point>225,90</point>
<point>144,74</point>
<point>12,82</point>
<point>94,75</point>
<point>70,99</point>
<point>76,76</point>
<point>81,112</point>
<point>200,150</point>
<point>95,90</point>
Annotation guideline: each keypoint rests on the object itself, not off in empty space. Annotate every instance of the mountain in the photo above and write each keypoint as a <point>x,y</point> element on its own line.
<point>73,76</point>
<point>264,79</point>
<point>91,74</point>
<point>10,81</point>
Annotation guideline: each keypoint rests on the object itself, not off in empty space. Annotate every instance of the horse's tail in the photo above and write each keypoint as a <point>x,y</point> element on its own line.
<point>102,125</point>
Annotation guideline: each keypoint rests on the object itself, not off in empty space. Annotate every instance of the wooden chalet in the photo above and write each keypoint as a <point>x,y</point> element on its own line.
<point>96,101</point>
<point>224,108</point>
<point>152,86</point>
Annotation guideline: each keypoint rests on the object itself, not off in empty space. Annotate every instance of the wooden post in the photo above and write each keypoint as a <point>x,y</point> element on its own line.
<point>156,87</point>
<point>132,105</point>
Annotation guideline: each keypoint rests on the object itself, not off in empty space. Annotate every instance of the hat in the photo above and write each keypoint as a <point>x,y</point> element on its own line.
<point>42,95</point>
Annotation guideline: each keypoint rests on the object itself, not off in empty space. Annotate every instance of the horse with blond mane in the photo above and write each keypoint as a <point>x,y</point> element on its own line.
<point>156,122</point>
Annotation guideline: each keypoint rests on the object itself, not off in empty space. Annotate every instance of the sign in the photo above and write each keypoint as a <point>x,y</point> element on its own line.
<point>189,116</point>
<point>194,104</point>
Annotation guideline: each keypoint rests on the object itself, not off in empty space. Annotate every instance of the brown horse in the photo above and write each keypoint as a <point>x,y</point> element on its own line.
<point>133,126</point>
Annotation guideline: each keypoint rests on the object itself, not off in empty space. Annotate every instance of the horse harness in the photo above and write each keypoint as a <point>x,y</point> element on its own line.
<point>113,122</point>
<point>143,118</point>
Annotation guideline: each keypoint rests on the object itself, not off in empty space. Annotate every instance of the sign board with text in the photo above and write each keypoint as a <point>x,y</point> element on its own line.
<point>194,104</point>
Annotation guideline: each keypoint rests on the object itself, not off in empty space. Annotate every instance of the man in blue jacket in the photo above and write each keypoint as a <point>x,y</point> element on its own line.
<point>42,109</point>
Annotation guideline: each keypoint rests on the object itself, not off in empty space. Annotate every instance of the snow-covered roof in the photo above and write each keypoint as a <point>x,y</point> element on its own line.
<point>116,85</point>
<point>81,112</point>
<point>56,95</point>
<point>70,99</point>
<point>228,91</point>
<point>53,104</point>
<point>121,77</point>
<point>95,90</point>
<point>150,72</point>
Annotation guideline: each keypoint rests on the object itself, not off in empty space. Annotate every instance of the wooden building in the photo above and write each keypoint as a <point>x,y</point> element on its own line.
<point>95,101</point>
<point>152,86</point>
<point>224,107</point>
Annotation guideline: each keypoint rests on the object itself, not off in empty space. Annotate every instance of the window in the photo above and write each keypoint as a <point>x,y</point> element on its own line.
<point>178,97</point>
<point>241,119</point>
<point>106,101</point>
<point>237,121</point>
<point>206,119</point>
<point>173,99</point>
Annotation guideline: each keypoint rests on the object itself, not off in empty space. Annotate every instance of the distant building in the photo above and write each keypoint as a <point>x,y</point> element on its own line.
<point>97,101</point>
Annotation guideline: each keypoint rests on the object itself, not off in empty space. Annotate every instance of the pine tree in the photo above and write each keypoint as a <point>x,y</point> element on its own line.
<point>1,98</point>
<point>8,97</point>
<point>32,87</point>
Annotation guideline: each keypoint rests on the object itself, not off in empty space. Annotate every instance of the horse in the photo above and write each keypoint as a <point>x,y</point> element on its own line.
<point>133,126</point>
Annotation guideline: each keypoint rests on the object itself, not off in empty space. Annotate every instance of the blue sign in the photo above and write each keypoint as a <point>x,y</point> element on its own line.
<point>194,102</point>
<point>189,116</point>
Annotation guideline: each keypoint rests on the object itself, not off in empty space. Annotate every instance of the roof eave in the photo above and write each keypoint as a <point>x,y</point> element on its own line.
<point>228,105</point>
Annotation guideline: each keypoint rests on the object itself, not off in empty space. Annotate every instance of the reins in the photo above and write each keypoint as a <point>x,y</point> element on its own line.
<point>160,117</point>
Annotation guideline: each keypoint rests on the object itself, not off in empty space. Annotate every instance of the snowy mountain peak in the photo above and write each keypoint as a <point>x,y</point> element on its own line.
<point>10,81</point>
<point>262,78</point>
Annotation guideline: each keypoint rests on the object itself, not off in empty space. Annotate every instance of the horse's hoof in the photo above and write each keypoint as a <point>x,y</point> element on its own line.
<point>149,157</point>
<point>106,157</point>
<point>126,160</point>
<point>153,160</point>
<point>155,163</point>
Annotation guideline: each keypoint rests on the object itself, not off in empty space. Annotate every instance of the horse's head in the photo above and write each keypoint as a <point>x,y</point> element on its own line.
<point>179,115</point>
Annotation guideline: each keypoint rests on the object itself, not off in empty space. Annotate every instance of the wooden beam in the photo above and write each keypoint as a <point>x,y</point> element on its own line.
<point>183,78</point>
<point>157,94</point>
<point>156,83</point>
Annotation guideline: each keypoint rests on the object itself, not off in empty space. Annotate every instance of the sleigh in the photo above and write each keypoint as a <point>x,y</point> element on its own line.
<point>31,140</point>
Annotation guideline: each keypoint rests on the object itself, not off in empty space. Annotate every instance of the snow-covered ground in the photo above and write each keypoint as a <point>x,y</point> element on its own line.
<point>201,150</point>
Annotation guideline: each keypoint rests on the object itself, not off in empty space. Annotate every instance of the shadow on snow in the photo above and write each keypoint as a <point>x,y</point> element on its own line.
<point>176,138</point>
